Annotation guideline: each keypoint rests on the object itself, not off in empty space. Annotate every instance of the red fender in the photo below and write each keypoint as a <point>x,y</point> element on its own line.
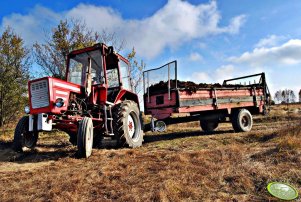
<point>126,95</point>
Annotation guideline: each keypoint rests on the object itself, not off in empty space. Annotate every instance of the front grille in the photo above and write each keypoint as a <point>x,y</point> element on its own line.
<point>39,94</point>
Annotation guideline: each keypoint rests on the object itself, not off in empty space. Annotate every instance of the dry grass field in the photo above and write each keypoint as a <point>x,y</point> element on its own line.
<point>181,164</point>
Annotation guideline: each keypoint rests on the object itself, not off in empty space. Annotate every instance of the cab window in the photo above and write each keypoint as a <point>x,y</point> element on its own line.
<point>124,71</point>
<point>78,65</point>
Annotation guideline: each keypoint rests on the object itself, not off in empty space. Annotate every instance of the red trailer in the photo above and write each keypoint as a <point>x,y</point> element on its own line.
<point>236,100</point>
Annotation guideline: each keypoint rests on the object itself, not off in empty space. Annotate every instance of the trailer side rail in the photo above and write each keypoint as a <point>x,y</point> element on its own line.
<point>261,82</point>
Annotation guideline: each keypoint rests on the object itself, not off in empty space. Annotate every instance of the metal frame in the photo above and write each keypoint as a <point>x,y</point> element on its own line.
<point>266,91</point>
<point>154,69</point>
<point>244,77</point>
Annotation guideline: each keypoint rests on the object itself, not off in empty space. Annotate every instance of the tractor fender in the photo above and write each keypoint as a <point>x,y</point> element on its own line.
<point>126,95</point>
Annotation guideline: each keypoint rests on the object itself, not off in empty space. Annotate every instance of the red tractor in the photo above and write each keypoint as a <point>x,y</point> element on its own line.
<point>94,104</point>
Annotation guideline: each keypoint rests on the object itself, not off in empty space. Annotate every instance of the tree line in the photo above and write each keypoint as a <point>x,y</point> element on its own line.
<point>16,59</point>
<point>285,96</point>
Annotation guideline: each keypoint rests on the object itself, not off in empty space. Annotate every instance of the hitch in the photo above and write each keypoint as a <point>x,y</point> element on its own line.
<point>157,126</point>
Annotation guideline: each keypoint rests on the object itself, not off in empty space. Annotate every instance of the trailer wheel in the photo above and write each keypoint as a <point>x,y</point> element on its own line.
<point>85,137</point>
<point>209,126</point>
<point>127,124</point>
<point>23,138</point>
<point>242,120</point>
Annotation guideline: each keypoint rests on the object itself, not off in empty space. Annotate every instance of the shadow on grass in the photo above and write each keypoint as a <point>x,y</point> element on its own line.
<point>178,135</point>
<point>43,152</point>
<point>52,151</point>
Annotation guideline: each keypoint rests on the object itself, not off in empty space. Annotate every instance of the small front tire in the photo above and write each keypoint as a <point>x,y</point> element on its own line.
<point>85,137</point>
<point>23,138</point>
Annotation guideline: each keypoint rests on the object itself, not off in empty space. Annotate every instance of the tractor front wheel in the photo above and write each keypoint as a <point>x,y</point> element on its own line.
<point>127,124</point>
<point>23,138</point>
<point>85,137</point>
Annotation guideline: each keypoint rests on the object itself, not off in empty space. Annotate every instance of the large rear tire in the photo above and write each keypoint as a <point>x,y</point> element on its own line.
<point>127,124</point>
<point>85,137</point>
<point>23,138</point>
<point>209,126</point>
<point>242,120</point>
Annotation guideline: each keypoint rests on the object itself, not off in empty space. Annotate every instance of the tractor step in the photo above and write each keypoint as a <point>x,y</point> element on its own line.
<point>110,103</point>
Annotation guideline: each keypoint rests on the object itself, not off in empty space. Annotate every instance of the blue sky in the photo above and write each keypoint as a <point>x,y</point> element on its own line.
<point>212,40</point>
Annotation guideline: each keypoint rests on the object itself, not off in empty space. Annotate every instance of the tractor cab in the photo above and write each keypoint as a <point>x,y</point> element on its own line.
<point>100,71</point>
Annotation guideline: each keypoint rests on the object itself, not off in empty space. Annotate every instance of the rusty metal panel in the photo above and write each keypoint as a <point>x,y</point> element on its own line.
<point>161,113</point>
<point>200,102</point>
<point>164,100</point>
<point>208,93</point>
<point>189,109</point>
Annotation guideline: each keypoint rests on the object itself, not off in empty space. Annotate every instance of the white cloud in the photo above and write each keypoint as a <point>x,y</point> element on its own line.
<point>195,57</point>
<point>201,77</point>
<point>234,25</point>
<point>286,54</point>
<point>32,27</point>
<point>176,23</point>
<point>202,45</point>
<point>271,40</point>
<point>215,76</point>
<point>197,77</point>
<point>224,72</point>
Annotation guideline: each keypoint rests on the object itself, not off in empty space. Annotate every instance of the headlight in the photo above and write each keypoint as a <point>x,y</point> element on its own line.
<point>26,109</point>
<point>59,102</point>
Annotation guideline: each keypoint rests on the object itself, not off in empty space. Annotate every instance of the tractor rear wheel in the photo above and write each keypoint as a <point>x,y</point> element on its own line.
<point>127,124</point>
<point>85,137</point>
<point>208,126</point>
<point>23,138</point>
<point>242,120</point>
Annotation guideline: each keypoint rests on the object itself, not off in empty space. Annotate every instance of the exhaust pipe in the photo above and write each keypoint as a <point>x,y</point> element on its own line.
<point>89,78</point>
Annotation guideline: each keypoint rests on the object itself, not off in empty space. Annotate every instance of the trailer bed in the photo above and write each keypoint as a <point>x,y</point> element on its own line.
<point>164,98</point>
<point>161,106</point>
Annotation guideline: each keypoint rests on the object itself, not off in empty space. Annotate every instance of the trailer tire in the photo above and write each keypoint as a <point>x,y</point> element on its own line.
<point>23,138</point>
<point>209,126</point>
<point>127,125</point>
<point>242,120</point>
<point>85,137</point>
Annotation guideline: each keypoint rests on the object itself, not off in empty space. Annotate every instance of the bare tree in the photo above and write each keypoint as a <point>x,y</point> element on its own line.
<point>136,71</point>
<point>285,96</point>
<point>110,38</point>
<point>278,96</point>
<point>67,36</point>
